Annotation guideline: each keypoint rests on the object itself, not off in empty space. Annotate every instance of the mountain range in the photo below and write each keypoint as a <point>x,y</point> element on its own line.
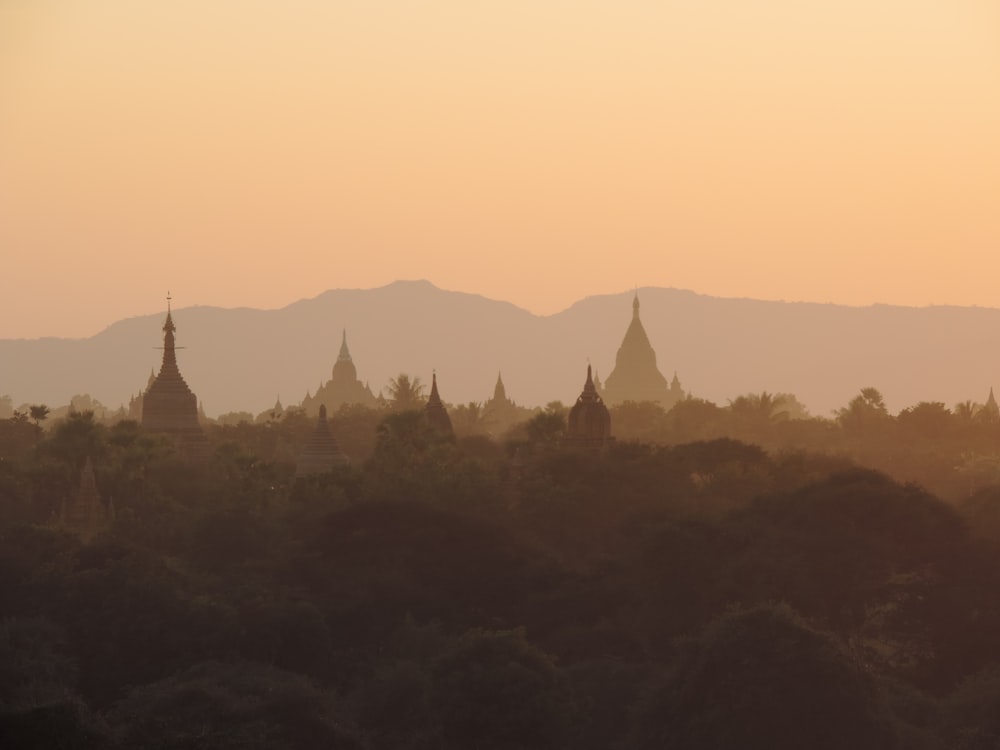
<point>244,359</point>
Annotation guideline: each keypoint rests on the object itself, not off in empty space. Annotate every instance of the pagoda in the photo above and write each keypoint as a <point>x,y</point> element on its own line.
<point>322,453</point>
<point>636,377</point>
<point>343,387</point>
<point>85,514</point>
<point>589,423</point>
<point>500,410</point>
<point>990,411</point>
<point>437,415</point>
<point>169,407</point>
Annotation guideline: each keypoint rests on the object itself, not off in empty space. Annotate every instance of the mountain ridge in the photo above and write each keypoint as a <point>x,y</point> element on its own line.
<point>241,359</point>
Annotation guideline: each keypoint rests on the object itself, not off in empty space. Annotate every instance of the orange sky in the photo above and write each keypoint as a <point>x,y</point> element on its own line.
<point>248,152</point>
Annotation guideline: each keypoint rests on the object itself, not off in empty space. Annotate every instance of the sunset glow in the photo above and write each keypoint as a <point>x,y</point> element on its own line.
<point>253,153</point>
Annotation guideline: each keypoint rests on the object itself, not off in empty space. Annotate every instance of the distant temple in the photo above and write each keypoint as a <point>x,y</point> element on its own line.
<point>437,415</point>
<point>500,410</point>
<point>343,387</point>
<point>85,513</point>
<point>135,402</point>
<point>322,453</point>
<point>990,411</point>
<point>636,377</point>
<point>589,423</point>
<point>168,405</point>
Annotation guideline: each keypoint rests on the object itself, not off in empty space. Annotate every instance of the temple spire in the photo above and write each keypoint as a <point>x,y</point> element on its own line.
<point>437,415</point>
<point>635,305</point>
<point>345,354</point>
<point>169,353</point>
<point>589,390</point>
<point>499,392</point>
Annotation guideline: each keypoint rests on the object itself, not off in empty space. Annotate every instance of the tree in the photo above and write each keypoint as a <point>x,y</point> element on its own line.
<point>469,419</point>
<point>546,426</point>
<point>929,419</point>
<point>76,438</point>
<point>757,412</point>
<point>497,691</point>
<point>865,413</point>
<point>405,392</point>
<point>39,413</point>
<point>764,678</point>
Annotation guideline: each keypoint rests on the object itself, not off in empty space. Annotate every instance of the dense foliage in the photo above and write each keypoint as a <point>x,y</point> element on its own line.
<point>689,590</point>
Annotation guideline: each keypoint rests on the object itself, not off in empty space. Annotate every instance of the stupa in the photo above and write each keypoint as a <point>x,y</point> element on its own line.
<point>169,406</point>
<point>322,453</point>
<point>636,377</point>
<point>437,415</point>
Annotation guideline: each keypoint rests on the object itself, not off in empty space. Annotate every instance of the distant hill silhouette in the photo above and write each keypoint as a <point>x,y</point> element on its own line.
<point>241,359</point>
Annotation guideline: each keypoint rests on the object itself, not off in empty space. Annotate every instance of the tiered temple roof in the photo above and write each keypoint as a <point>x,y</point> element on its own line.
<point>437,415</point>
<point>322,453</point>
<point>636,377</point>
<point>85,513</point>
<point>589,423</point>
<point>343,387</point>
<point>169,406</point>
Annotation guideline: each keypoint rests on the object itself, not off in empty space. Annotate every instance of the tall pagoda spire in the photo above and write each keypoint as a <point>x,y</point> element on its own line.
<point>345,354</point>
<point>168,405</point>
<point>169,364</point>
<point>499,392</point>
<point>589,423</point>
<point>437,415</point>
<point>991,411</point>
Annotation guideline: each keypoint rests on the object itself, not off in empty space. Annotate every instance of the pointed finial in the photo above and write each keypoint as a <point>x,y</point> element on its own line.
<point>345,354</point>
<point>169,298</point>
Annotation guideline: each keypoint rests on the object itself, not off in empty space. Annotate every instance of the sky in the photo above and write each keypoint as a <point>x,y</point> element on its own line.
<point>253,153</point>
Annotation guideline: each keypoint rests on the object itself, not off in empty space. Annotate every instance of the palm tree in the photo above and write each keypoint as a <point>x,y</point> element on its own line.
<point>758,411</point>
<point>405,392</point>
<point>39,413</point>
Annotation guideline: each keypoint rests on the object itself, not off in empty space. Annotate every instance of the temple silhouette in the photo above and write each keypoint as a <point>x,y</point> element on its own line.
<point>85,514</point>
<point>343,387</point>
<point>500,411</point>
<point>437,415</point>
<point>636,376</point>
<point>589,423</point>
<point>169,407</point>
<point>322,453</point>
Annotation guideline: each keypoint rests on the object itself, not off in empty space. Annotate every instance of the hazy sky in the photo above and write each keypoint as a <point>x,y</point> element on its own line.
<point>251,152</point>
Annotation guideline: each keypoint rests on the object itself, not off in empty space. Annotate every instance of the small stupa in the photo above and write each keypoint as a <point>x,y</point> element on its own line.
<point>322,453</point>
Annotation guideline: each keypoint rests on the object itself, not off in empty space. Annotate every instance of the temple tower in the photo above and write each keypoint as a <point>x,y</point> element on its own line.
<point>85,513</point>
<point>636,377</point>
<point>990,411</point>
<point>437,415</point>
<point>343,387</point>
<point>169,406</point>
<point>589,423</point>
<point>322,453</point>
